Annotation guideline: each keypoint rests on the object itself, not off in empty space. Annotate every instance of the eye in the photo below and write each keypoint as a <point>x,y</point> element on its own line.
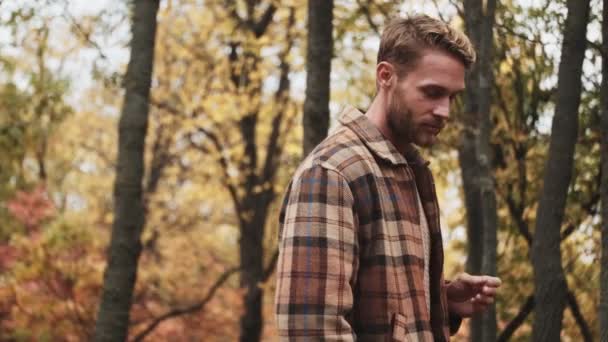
<point>434,92</point>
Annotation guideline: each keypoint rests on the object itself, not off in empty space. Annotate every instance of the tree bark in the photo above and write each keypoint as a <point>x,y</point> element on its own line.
<point>192,308</point>
<point>603,308</point>
<point>470,174</point>
<point>477,154</point>
<point>517,321</point>
<point>550,291</point>
<point>318,70</point>
<point>252,256</point>
<point>578,317</point>
<point>125,245</point>
<point>252,219</point>
<point>253,205</point>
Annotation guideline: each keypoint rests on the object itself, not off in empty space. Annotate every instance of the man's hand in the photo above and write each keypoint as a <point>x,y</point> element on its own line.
<point>468,294</point>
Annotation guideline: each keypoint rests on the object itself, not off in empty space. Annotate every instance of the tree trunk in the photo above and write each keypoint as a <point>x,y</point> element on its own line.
<point>467,157</point>
<point>125,246</point>
<point>550,284</point>
<point>476,156</point>
<point>251,249</point>
<point>252,206</point>
<point>603,309</point>
<point>318,70</point>
<point>487,186</point>
<point>252,267</point>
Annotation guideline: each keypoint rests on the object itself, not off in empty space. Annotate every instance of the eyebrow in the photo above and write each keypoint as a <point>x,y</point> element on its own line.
<point>442,88</point>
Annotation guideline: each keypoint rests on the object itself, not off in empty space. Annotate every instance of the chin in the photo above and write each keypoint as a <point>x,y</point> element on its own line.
<point>426,142</point>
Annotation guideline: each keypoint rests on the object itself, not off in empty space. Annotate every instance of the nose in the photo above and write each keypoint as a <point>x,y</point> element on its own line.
<point>442,109</point>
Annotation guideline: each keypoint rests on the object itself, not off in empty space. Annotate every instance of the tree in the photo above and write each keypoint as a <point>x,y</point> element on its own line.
<point>253,192</point>
<point>125,246</point>
<point>32,110</point>
<point>225,127</point>
<point>476,158</point>
<point>551,291</point>
<point>318,71</point>
<point>216,72</point>
<point>238,122</point>
<point>603,307</point>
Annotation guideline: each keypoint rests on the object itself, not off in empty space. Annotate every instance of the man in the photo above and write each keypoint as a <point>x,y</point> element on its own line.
<point>361,254</point>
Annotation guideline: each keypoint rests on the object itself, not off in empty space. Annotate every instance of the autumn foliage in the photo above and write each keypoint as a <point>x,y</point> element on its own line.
<point>223,138</point>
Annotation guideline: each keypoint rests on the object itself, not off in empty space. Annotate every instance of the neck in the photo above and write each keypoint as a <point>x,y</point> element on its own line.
<point>377,113</point>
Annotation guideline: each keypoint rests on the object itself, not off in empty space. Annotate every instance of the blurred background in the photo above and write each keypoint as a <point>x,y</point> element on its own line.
<point>238,90</point>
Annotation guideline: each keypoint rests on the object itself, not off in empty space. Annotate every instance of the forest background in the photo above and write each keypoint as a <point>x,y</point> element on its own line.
<point>153,141</point>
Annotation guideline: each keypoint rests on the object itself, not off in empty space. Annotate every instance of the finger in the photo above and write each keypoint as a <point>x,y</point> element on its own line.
<point>471,279</point>
<point>482,300</point>
<point>481,280</point>
<point>491,281</point>
<point>489,291</point>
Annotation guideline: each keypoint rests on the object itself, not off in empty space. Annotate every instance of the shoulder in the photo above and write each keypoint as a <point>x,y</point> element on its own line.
<point>342,152</point>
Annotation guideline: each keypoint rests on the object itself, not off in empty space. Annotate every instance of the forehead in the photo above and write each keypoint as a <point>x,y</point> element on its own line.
<point>435,67</point>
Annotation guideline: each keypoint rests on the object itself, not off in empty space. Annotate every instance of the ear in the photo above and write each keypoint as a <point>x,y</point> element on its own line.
<point>385,75</point>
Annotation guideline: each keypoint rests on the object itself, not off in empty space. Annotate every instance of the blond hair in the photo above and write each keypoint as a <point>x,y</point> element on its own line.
<point>404,39</point>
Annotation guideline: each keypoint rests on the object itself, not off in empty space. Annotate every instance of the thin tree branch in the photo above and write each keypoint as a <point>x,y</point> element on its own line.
<point>368,16</point>
<point>86,36</point>
<point>189,309</point>
<point>380,9</point>
<point>578,316</point>
<point>196,51</point>
<point>597,47</point>
<point>272,149</point>
<point>216,143</point>
<point>281,94</point>
<point>161,158</point>
<point>568,231</point>
<point>223,161</point>
<point>110,162</point>
<point>590,208</point>
<point>517,321</point>
<point>516,214</point>
<point>509,30</point>
<point>272,264</point>
<point>288,126</point>
<point>257,28</point>
<point>231,6</point>
<point>459,9</point>
<point>439,10</point>
<point>260,27</point>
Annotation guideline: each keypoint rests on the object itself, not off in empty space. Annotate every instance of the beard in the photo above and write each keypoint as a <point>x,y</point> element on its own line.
<point>404,128</point>
<point>400,121</point>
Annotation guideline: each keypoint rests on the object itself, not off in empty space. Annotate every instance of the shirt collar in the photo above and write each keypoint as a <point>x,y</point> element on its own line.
<point>375,141</point>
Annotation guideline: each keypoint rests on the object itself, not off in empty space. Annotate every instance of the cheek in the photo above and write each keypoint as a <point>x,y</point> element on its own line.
<point>417,99</point>
<point>417,105</point>
<point>420,104</point>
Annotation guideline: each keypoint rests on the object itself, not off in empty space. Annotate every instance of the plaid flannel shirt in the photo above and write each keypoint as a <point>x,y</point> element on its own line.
<point>350,253</point>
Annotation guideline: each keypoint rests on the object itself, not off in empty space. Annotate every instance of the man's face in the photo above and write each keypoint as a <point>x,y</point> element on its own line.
<point>419,102</point>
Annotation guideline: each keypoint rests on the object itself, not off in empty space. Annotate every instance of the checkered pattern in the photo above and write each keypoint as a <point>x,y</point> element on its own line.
<point>351,262</point>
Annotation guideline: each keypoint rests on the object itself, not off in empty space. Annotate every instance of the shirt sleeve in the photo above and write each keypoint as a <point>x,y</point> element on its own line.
<point>317,258</point>
<point>454,321</point>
